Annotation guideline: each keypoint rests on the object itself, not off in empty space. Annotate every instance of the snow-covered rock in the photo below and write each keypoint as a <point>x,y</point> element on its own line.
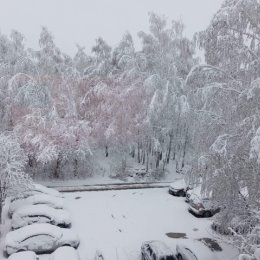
<point>26,255</point>
<point>42,199</point>
<point>65,253</point>
<point>40,238</point>
<point>30,214</point>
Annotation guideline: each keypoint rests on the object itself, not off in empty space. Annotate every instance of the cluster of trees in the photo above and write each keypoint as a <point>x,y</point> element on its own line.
<point>56,111</point>
<point>224,98</point>
<point>121,100</point>
<point>159,104</point>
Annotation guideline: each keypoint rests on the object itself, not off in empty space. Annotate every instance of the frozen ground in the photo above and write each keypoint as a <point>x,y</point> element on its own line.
<point>117,222</point>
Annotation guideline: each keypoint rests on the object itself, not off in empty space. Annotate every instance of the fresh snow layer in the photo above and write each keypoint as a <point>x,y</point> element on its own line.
<point>38,199</point>
<point>159,248</point>
<point>179,184</point>
<point>30,214</point>
<point>65,253</point>
<point>48,191</point>
<point>118,222</point>
<point>43,237</point>
<point>38,189</point>
<point>27,255</point>
<point>201,251</point>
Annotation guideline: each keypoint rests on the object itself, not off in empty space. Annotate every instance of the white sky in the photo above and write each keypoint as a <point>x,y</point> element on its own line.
<point>82,21</point>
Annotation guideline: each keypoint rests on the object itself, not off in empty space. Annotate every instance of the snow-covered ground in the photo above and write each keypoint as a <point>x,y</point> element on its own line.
<point>117,222</point>
<point>104,173</point>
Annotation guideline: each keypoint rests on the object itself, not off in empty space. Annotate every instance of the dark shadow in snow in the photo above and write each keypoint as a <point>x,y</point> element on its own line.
<point>176,235</point>
<point>212,244</point>
<point>77,198</point>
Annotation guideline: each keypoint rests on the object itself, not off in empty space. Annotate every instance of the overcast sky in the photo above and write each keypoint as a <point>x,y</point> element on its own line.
<point>82,21</point>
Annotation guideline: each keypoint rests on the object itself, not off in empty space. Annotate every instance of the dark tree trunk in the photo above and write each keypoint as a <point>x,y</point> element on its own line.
<point>1,206</point>
<point>158,156</point>
<point>57,168</point>
<point>147,160</point>
<point>138,153</point>
<point>184,149</point>
<point>75,167</point>
<point>169,149</point>
<point>143,156</point>
<point>132,153</point>
<point>32,164</point>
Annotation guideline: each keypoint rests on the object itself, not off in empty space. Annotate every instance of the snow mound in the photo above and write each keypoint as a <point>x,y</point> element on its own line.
<point>54,202</point>
<point>196,250</point>
<point>40,238</point>
<point>30,214</point>
<point>180,184</point>
<point>27,255</point>
<point>65,253</point>
<point>38,189</point>
<point>48,191</point>
<point>159,248</point>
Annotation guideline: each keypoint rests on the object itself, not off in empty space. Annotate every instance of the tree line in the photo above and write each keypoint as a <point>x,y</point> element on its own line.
<point>158,105</point>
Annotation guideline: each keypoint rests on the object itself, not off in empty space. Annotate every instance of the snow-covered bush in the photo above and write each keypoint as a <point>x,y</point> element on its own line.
<point>13,179</point>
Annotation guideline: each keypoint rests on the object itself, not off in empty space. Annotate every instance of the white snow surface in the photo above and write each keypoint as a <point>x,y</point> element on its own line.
<point>198,249</point>
<point>38,189</point>
<point>65,253</point>
<point>27,255</point>
<point>119,222</point>
<point>38,199</point>
<point>179,184</point>
<point>30,214</point>
<point>160,248</point>
<point>48,191</point>
<point>43,237</point>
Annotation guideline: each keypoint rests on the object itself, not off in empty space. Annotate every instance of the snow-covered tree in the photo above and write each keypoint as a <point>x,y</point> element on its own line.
<point>232,41</point>
<point>13,179</point>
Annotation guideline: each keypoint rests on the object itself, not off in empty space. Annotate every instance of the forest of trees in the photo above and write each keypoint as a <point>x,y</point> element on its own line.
<point>157,104</point>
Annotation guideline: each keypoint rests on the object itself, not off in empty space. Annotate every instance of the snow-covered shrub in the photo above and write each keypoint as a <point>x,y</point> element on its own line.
<point>13,179</point>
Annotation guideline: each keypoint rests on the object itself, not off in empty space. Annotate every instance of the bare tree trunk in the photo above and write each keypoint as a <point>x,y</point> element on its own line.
<point>75,167</point>
<point>147,160</point>
<point>1,211</point>
<point>132,151</point>
<point>169,148</point>
<point>106,151</point>
<point>2,192</point>
<point>32,164</point>
<point>143,156</point>
<point>176,138</point>
<point>138,152</point>
<point>57,168</point>
<point>184,148</point>
<point>158,155</point>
